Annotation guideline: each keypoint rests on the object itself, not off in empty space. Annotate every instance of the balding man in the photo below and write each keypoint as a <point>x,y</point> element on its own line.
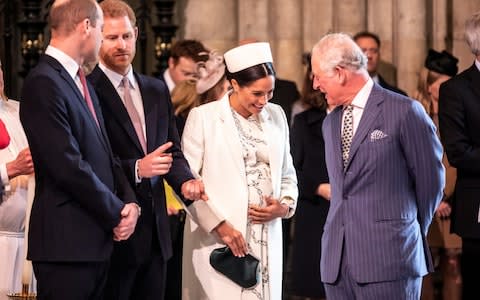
<point>82,199</point>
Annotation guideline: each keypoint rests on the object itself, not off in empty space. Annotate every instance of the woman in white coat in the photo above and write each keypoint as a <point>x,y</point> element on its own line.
<point>239,146</point>
<point>16,167</point>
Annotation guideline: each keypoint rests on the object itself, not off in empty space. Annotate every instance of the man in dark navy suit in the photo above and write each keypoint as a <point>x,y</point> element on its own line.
<point>141,126</point>
<point>78,210</point>
<point>459,116</point>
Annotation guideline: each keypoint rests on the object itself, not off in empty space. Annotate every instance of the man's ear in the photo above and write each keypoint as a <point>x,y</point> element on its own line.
<point>171,63</point>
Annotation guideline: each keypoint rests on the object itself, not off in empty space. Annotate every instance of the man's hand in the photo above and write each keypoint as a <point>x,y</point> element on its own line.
<point>324,190</point>
<point>194,189</point>
<point>156,163</point>
<point>126,227</point>
<point>232,238</point>
<point>22,165</point>
<point>263,214</point>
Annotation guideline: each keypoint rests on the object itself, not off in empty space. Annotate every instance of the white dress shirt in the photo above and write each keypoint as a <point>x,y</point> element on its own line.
<point>359,102</point>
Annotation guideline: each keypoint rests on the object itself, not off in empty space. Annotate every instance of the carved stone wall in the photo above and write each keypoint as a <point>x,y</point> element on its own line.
<point>407,28</point>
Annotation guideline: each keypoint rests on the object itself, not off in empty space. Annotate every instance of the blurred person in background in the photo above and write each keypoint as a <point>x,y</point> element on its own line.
<point>445,246</point>
<point>308,151</point>
<point>16,168</point>
<point>459,119</point>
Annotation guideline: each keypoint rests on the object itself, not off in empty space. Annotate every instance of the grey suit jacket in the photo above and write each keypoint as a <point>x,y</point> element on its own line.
<point>383,203</point>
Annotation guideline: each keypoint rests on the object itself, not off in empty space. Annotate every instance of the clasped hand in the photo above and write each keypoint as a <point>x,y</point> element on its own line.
<point>263,214</point>
<point>22,165</point>
<point>128,221</point>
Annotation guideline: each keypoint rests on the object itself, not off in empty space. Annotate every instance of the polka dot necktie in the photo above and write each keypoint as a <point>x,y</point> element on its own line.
<point>347,134</point>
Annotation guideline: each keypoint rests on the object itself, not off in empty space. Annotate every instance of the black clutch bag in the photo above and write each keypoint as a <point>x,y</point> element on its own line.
<point>241,270</point>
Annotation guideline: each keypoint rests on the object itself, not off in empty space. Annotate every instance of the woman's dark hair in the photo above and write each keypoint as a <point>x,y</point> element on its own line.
<point>310,97</point>
<point>251,74</point>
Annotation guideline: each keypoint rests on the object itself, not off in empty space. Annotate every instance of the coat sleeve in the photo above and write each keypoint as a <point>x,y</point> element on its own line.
<point>203,213</point>
<point>423,153</point>
<point>461,150</point>
<point>289,189</point>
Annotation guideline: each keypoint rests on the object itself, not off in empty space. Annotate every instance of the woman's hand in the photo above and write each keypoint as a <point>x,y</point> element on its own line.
<point>263,214</point>
<point>443,210</point>
<point>232,238</point>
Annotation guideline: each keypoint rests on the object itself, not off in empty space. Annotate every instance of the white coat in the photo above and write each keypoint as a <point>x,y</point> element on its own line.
<point>212,147</point>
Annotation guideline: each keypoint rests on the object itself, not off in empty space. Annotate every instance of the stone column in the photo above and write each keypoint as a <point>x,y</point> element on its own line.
<point>439,26</point>
<point>410,36</point>
<point>286,38</point>
<point>213,22</point>
<point>462,10</point>
<point>349,16</point>
<point>253,20</point>
<point>317,21</point>
<point>379,21</point>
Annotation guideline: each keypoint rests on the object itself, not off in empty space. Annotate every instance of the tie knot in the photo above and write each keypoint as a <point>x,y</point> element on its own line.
<point>81,73</point>
<point>125,82</point>
<point>349,108</point>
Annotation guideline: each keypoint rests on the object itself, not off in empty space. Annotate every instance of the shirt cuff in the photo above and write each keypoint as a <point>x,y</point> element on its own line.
<point>290,202</point>
<point>137,178</point>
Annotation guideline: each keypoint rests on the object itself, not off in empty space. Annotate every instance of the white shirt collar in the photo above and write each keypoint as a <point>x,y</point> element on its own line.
<point>116,79</point>
<point>168,80</point>
<point>361,98</point>
<point>477,64</point>
<point>64,59</point>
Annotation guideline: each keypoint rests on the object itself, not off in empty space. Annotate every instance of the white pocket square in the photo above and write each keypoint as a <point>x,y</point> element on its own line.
<point>377,135</point>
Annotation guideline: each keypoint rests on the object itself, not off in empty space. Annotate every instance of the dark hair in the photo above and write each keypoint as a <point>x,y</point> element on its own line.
<point>247,76</point>
<point>192,49</point>
<point>64,17</point>
<point>309,96</point>
<point>367,34</point>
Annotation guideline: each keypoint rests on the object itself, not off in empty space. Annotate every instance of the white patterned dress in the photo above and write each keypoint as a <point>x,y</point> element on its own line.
<point>257,167</point>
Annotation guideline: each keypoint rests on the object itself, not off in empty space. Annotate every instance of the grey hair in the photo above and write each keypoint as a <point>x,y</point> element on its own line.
<point>339,49</point>
<point>472,33</point>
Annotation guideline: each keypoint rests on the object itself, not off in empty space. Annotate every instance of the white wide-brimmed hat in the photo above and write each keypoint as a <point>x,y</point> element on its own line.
<point>248,55</point>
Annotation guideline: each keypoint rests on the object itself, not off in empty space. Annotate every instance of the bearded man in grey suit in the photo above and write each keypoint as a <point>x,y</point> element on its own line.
<point>384,162</point>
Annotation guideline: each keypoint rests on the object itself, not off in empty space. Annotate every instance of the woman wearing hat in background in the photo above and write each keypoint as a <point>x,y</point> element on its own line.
<point>211,85</point>
<point>445,246</point>
<point>239,145</point>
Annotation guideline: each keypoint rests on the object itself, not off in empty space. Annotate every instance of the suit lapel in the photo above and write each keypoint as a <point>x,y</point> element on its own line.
<point>230,134</point>
<point>475,80</point>
<point>274,144</point>
<point>336,133</point>
<point>109,95</point>
<point>64,74</point>
<point>150,112</point>
<point>370,112</point>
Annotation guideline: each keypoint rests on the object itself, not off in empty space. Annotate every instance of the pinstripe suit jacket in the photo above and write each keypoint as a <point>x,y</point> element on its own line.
<point>383,203</point>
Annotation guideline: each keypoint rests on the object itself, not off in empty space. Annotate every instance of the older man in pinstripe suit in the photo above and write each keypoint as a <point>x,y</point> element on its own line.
<point>386,174</point>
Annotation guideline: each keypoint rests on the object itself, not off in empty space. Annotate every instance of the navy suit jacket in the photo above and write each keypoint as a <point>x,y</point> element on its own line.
<point>459,116</point>
<point>160,128</point>
<point>75,207</point>
<point>383,203</point>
